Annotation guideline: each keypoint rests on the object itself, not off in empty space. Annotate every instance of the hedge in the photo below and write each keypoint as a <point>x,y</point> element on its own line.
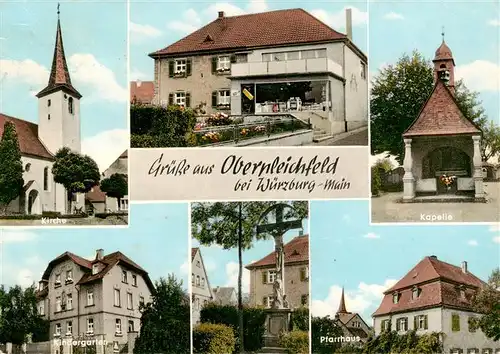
<point>253,318</point>
<point>209,338</point>
<point>296,342</point>
<point>300,319</point>
<point>376,182</point>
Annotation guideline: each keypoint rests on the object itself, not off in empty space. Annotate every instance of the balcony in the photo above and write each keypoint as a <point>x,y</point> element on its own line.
<point>286,67</point>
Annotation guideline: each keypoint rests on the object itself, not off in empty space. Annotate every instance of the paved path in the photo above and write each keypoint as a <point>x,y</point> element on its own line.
<point>357,137</point>
<point>387,208</point>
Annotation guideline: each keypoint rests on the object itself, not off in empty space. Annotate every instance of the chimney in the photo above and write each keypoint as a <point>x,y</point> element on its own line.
<point>99,254</point>
<point>348,23</point>
<point>221,14</point>
<point>464,266</point>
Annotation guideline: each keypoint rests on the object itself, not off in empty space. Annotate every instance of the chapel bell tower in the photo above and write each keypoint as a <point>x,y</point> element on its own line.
<point>444,65</point>
<point>59,104</point>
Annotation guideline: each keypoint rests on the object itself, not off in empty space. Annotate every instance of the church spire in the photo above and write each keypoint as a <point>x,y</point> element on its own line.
<point>342,308</point>
<point>59,74</point>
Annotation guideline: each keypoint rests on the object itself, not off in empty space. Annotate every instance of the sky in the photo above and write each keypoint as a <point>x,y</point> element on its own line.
<point>157,240</point>
<point>472,31</point>
<point>347,252</point>
<point>222,265</point>
<point>95,43</point>
<point>171,21</point>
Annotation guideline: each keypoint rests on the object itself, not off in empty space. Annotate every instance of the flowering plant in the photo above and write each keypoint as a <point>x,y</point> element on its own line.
<point>200,126</point>
<point>447,180</point>
<point>244,132</point>
<point>212,136</point>
<point>260,128</point>
<point>221,70</point>
<point>218,119</point>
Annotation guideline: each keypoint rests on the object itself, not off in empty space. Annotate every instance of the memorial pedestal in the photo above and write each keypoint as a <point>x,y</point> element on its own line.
<point>277,323</point>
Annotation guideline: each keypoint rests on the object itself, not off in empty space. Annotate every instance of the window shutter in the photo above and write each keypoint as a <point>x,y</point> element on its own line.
<point>214,98</point>
<point>170,99</point>
<point>264,277</point>
<point>188,67</point>
<point>425,322</point>
<point>415,323</point>
<point>188,99</point>
<point>214,65</point>
<point>171,69</point>
<point>233,59</point>
<point>264,301</point>
<point>397,325</point>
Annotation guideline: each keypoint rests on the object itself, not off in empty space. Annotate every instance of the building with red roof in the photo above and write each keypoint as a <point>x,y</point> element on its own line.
<point>355,330</point>
<point>442,142</point>
<point>284,61</point>
<point>96,298</point>
<point>436,296</point>
<point>296,275</point>
<point>202,293</point>
<point>141,92</point>
<point>58,126</point>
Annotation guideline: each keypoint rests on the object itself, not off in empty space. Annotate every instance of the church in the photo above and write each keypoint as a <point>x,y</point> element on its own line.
<point>442,157</point>
<point>58,126</point>
<point>352,325</point>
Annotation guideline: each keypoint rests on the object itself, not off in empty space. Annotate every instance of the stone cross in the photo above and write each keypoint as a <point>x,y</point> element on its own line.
<point>277,230</point>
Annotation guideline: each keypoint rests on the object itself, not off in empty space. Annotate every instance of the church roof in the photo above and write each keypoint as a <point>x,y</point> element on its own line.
<point>267,29</point>
<point>443,52</point>
<point>342,307</point>
<point>438,282</point>
<point>441,115</point>
<point>27,135</point>
<point>142,91</point>
<point>59,78</point>
<point>297,250</point>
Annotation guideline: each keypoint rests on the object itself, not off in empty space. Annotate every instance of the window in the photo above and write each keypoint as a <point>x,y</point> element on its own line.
<point>117,297</point>
<point>269,276</point>
<point>395,298</point>
<point>141,300</point>
<point>455,322</point>
<point>70,105</point>
<point>304,300</point>
<point>129,301</point>
<point>472,324</point>
<point>118,326</point>
<point>180,98</point>
<point>356,324</point>
<point>266,57</point>
<point>131,326</point>
<point>58,304</point>
<point>48,103</point>
<point>90,325</point>
<point>95,268</point>
<point>223,63</point>
<point>69,276</point>
<point>69,327</point>
<point>202,282</point>
<point>415,293</point>
<point>41,309</point>
<point>124,276</point>
<point>58,329</point>
<point>279,56</point>
<point>198,264</point>
<point>46,179</point>
<point>48,117</point>
<point>205,302</point>
<point>304,274</point>
<point>197,280</point>
<point>473,351</point>
<point>90,297</point>
<point>308,54</point>
<point>462,294</point>
<point>363,70</point>
<point>197,303</point>
<point>241,58</point>
<point>27,167</point>
<point>402,324</point>
<point>134,280</point>
<point>192,278</point>
<point>58,279</point>
<point>123,204</point>
<point>456,351</point>
<point>385,325</point>
<point>224,98</point>
<point>420,322</point>
<point>293,55</point>
<point>69,302</point>
<point>180,66</point>
<point>487,351</point>
<point>267,301</point>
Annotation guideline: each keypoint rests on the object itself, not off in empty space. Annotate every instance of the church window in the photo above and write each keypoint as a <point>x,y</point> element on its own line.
<point>27,167</point>
<point>70,105</point>
<point>48,103</point>
<point>48,117</point>
<point>46,179</point>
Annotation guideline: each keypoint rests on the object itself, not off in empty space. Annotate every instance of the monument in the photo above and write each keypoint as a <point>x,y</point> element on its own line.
<point>278,316</point>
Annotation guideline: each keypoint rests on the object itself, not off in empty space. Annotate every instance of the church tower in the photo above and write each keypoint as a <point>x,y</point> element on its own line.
<point>342,308</point>
<point>59,104</point>
<point>444,66</point>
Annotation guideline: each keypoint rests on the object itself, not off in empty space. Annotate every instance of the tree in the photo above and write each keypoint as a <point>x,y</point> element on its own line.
<point>398,93</point>
<point>487,302</point>
<point>159,126</point>
<point>77,173</point>
<point>115,186</point>
<point>11,167</point>
<point>384,164</point>
<point>165,326</point>
<point>326,327</point>
<point>19,317</point>
<point>232,225</point>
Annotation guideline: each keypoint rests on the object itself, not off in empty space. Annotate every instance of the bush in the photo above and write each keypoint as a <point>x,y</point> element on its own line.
<point>51,214</point>
<point>376,183</point>
<point>209,338</point>
<point>300,319</point>
<point>296,342</point>
<point>324,327</point>
<point>253,318</point>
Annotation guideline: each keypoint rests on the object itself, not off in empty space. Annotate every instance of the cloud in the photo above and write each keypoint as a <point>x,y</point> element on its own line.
<point>26,71</point>
<point>496,239</point>
<point>480,75</point>
<point>106,146</point>
<point>139,75</point>
<point>184,268</point>
<point>209,264</point>
<point>393,16</point>
<point>337,20</point>
<point>371,235</point>
<point>495,227</point>
<point>363,300</point>
<point>8,236</point>
<point>140,32</point>
<point>495,23</point>
<point>472,243</point>
<point>87,70</point>
<point>232,277</point>
<point>189,22</point>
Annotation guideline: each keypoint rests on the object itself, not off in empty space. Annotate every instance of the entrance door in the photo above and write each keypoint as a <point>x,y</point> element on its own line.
<point>248,99</point>
<point>33,202</point>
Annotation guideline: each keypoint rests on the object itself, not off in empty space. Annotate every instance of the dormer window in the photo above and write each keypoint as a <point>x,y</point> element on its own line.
<point>208,38</point>
<point>95,269</point>
<point>395,298</point>
<point>415,293</point>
